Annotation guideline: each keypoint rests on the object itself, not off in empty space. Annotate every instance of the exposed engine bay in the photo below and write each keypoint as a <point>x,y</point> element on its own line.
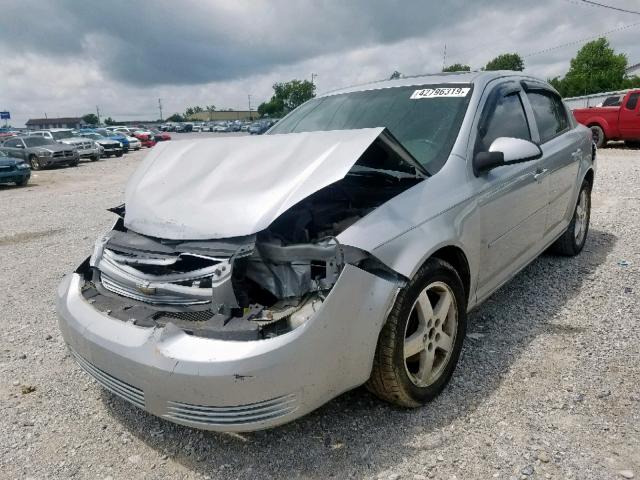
<point>251,287</point>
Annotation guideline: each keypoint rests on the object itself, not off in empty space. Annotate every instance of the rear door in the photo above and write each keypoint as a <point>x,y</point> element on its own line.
<point>513,199</point>
<point>630,118</point>
<point>559,143</point>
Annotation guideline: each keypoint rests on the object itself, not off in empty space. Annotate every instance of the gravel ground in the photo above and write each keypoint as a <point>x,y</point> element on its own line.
<point>547,386</point>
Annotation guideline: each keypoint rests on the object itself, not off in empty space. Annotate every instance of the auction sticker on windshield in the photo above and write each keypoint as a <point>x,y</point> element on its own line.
<point>440,92</point>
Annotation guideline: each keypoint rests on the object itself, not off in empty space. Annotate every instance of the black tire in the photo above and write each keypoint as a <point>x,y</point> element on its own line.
<point>569,244</point>
<point>34,163</point>
<point>390,378</point>
<point>23,182</point>
<point>94,158</point>
<point>119,154</point>
<point>632,143</point>
<point>599,138</point>
<point>74,163</point>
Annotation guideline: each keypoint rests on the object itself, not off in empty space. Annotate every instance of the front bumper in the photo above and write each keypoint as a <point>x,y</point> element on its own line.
<point>232,385</point>
<point>16,175</point>
<point>89,152</point>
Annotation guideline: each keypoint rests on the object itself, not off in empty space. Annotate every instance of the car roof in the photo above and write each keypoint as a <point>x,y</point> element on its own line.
<point>477,78</point>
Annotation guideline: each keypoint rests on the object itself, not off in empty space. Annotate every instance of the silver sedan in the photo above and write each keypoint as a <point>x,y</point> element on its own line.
<point>249,280</point>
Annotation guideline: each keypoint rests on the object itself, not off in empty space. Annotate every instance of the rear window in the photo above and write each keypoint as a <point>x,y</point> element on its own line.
<point>550,114</point>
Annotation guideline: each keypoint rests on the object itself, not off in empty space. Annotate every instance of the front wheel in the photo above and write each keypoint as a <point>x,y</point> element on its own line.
<point>35,164</point>
<point>573,239</point>
<point>598,135</point>
<point>420,343</point>
<point>94,158</point>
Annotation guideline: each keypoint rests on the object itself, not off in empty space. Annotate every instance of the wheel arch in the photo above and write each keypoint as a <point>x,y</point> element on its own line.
<point>456,257</point>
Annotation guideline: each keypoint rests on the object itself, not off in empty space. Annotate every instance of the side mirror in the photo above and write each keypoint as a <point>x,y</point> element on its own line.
<point>505,151</point>
<point>20,145</point>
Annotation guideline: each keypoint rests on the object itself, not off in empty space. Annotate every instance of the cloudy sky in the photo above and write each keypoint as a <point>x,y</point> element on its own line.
<point>64,57</point>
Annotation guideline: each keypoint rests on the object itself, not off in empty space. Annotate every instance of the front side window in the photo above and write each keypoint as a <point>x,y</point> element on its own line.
<point>507,120</point>
<point>11,143</point>
<point>550,114</point>
<point>426,127</point>
<point>632,103</point>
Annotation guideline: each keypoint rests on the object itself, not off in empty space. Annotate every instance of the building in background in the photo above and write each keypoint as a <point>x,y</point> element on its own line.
<point>633,70</point>
<point>47,123</point>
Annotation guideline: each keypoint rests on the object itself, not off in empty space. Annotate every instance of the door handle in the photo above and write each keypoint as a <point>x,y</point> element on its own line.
<point>577,153</point>
<point>541,172</point>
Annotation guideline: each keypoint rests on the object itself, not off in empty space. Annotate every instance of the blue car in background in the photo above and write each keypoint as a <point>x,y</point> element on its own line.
<point>13,170</point>
<point>115,136</point>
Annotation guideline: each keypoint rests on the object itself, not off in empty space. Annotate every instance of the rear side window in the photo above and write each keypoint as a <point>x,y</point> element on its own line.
<point>551,116</point>
<point>507,120</point>
<point>632,103</point>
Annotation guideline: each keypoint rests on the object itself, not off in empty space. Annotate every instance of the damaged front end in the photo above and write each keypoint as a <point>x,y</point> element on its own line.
<point>259,285</point>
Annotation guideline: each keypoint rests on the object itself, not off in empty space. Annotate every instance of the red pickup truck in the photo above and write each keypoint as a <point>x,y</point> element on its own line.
<point>620,122</point>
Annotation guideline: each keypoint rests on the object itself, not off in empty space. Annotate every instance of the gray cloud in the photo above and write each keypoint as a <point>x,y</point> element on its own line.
<point>66,56</point>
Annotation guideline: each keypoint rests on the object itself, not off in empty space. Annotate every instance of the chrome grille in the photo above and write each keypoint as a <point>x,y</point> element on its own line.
<point>115,386</point>
<point>234,415</point>
<point>63,153</point>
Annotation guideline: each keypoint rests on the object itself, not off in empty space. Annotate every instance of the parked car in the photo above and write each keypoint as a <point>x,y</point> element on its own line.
<point>86,148</point>
<point>350,255</point>
<point>123,139</point>
<point>259,127</point>
<point>13,170</point>
<point>620,122</point>
<point>40,152</point>
<point>160,136</point>
<point>109,146</point>
<point>145,138</point>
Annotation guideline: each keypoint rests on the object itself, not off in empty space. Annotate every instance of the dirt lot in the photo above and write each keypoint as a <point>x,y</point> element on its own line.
<point>548,385</point>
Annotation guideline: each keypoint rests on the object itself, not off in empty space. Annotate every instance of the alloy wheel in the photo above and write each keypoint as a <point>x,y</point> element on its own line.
<point>581,217</point>
<point>430,334</point>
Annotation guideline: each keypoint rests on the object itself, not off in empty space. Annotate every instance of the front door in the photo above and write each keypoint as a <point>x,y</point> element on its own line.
<point>630,118</point>
<point>513,200</point>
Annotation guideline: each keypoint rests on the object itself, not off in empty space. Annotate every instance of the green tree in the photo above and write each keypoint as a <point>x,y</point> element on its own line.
<point>506,61</point>
<point>395,75</point>
<point>595,68</point>
<point>176,117</point>
<point>91,119</point>
<point>110,121</point>
<point>457,67</point>
<point>286,97</point>
<point>210,109</point>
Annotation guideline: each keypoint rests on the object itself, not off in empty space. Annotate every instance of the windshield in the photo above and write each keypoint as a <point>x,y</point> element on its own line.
<point>38,141</point>
<point>94,136</point>
<point>61,135</point>
<point>424,119</point>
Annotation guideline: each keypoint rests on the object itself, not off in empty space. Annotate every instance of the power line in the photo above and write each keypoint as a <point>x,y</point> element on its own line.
<point>539,52</point>
<point>610,7</point>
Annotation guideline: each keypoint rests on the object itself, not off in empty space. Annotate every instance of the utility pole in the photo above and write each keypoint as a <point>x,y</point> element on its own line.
<point>444,57</point>
<point>250,116</point>
<point>160,107</point>
<point>313,78</point>
<point>98,114</point>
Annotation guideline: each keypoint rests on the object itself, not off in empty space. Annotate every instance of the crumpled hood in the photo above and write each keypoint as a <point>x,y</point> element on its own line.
<point>234,186</point>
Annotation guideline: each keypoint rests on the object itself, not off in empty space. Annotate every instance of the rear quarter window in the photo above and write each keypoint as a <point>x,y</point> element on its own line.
<point>632,103</point>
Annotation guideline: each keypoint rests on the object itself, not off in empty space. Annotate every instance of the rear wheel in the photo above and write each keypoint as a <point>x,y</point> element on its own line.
<point>420,343</point>
<point>573,239</point>
<point>598,135</point>
<point>34,162</point>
